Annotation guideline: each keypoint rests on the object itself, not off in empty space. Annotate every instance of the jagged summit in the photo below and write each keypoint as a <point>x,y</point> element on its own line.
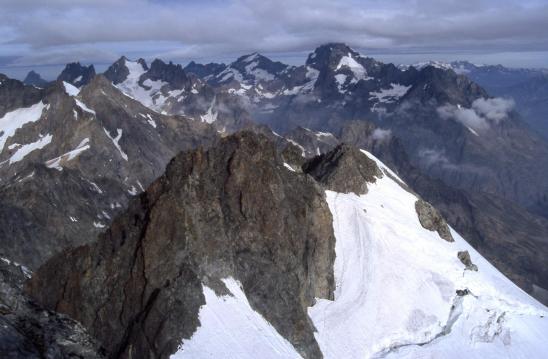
<point>204,71</point>
<point>167,72</point>
<point>330,55</point>
<point>267,229</point>
<point>77,74</point>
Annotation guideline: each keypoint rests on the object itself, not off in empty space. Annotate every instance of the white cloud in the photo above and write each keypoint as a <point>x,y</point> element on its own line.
<point>479,116</point>
<point>495,109</point>
<point>381,135</point>
<point>195,28</point>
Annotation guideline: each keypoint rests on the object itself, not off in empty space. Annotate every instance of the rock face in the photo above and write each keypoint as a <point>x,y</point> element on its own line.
<point>77,74</point>
<point>14,94</point>
<point>28,331</point>
<point>160,71</point>
<point>204,71</point>
<point>103,147</point>
<point>430,219</point>
<point>233,210</point>
<point>464,257</point>
<point>345,169</point>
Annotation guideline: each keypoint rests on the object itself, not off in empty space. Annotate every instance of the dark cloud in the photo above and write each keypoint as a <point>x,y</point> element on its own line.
<point>39,32</point>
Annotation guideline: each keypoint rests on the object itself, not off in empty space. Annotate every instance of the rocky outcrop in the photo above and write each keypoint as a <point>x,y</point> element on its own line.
<point>30,332</point>
<point>170,72</point>
<point>14,94</point>
<point>233,210</point>
<point>202,70</point>
<point>430,219</point>
<point>345,169</point>
<point>464,257</point>
<point>77,74</point>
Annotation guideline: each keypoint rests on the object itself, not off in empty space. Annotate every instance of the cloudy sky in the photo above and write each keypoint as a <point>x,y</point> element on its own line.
<point>46,34</point>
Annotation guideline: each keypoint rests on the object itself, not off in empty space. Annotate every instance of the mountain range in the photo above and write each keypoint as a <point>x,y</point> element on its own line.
<point>304,201</point>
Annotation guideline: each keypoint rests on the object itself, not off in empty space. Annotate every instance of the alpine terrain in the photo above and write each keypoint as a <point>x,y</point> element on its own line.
<point>341,208</point>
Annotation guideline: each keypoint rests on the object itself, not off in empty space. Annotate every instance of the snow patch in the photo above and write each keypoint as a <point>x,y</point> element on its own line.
<point>64,158</point>
<point>231,328</point>
<point>286,165</point>
<point>357,69</point>
<point>28,148</point>
<point>211,115</point>
<point>390,95</point>
<point>14,120</point>
<point>84,107</point>
<point>70,89</point>
<point>116,142</point>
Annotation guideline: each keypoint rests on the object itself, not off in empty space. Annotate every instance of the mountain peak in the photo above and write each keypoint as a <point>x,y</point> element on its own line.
<point>257,67</point>
<point>330,53</point>
<point>170,72</point>
<point>34,78</point>
<point>77,74</point>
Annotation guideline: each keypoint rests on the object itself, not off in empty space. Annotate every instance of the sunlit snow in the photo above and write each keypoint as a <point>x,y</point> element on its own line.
<point>70,89</point>
<point>396,288</point>
<point>230,328</point>
<point>64,158</point>
<point>24,150</point>
<point>15,119</point>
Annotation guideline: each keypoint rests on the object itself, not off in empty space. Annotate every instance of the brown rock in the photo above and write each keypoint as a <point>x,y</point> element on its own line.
<point>230,211</point>
<point>432,220</point>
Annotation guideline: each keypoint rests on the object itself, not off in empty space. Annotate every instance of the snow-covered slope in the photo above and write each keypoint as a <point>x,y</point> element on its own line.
<point>230,328</point>
<point>396,289</point>
<point>401,292</point>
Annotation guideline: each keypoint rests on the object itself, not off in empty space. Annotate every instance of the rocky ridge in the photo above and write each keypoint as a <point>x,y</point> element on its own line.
<point>231,211</point>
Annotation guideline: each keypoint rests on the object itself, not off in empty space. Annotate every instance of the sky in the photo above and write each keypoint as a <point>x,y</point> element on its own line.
<point>45,35</point>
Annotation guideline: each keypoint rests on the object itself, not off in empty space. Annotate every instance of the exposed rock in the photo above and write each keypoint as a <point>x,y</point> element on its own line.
<point>462,292</point>
<point>14,94</point>
<point>170,72</point>
<point>77,74</point>
<point>292,155</point>
<point>203,71</point>
<point>28,331</point>
<point>118,71</point>
<point>464,257</point>
<point>105,147</point>
<point>430,219</point>
<point>229,211</point>
<point>345,169</point>
<point>314,143</point>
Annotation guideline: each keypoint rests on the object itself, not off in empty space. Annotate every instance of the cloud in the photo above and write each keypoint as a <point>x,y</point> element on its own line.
<point>479,116</point>
<point>466,116</point>
<point>430,156</point>
<point>208,28</point>
<point>495,109</point>
<point>381,135</point>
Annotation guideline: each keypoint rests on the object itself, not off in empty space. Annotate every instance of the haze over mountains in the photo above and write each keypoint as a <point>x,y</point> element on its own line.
<point>353,181</point>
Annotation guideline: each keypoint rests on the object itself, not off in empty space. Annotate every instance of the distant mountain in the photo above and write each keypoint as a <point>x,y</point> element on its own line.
<point>71,158</point>
<point>458,125</point>
<point>449,128</point>
<point>267,243</point>
<point>77,74</point>
<point>167,88</point>
<point>34,79</point>
<point>204,71</point>
<point>527,87</point>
